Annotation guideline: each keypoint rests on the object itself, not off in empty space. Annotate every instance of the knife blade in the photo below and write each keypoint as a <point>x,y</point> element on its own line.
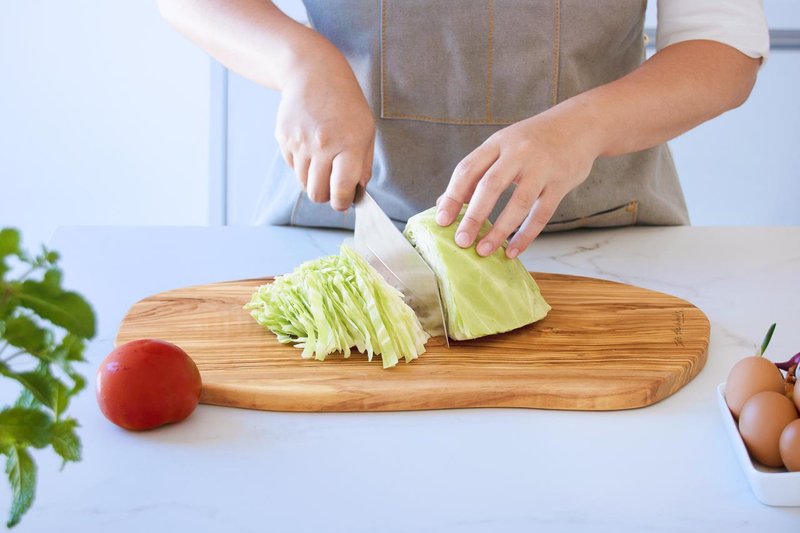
<point>378,240</point>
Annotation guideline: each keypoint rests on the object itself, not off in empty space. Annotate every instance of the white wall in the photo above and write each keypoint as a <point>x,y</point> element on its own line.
<point>104,117</point>
<point>743,168</point>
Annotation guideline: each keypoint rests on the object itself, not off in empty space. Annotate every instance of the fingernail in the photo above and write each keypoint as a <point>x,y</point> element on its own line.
<point>512,253</point>
<point>442,218</point>
<point>485,248</point>
<point>462,239</point>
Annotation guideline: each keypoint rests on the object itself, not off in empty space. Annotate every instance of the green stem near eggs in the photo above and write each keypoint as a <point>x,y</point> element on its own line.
<point>767,338</point>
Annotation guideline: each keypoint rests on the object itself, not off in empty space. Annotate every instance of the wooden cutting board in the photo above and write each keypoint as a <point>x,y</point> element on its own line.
<point>604,346</point>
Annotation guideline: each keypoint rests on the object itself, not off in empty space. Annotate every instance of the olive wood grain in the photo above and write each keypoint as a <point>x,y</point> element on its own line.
<point>604,346</point>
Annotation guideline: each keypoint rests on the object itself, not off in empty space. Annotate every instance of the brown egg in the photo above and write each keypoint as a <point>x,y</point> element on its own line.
<point>748,377</point>
<point>796,395</point>
<point>790,446</point>
<point>761,423</point>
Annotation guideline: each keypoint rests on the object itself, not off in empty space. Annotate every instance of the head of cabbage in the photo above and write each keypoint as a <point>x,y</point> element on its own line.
<point>481,295</point>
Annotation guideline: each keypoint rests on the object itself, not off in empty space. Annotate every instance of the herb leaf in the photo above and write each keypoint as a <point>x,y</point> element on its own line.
<point>41,384</point>
<point>9,245</point>
<point>27,399</point>
<point>63,308</point>
<point>22,476</point>
<point>9,242</point>
<point>25,426</point>
<point>70,349</point>
<point>61,395</point>
<point>79,382</point>
<point>65,440</point>
<point>22,332</point>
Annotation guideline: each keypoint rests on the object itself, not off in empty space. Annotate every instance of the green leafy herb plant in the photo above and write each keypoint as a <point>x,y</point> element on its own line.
<point>43,334</point>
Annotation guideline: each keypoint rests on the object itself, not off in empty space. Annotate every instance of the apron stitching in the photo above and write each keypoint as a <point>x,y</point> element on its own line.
<point>633,208</point>
<point>490,5</point>
<point>384,112</point>
<point>556,52</point>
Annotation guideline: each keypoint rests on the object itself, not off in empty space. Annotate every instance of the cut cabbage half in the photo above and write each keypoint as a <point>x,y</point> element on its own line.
<point>481,295</point>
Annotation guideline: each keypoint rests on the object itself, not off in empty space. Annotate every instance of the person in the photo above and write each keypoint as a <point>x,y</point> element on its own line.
<point>541,115</point>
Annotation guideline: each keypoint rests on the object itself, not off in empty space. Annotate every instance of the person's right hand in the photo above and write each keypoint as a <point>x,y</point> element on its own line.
<point>326,131</point>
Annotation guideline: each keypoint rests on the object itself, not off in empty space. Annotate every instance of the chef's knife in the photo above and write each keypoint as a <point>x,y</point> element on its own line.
<point>379,241</point>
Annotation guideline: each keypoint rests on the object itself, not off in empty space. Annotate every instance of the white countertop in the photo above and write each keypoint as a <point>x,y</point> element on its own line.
<point>667,467</point>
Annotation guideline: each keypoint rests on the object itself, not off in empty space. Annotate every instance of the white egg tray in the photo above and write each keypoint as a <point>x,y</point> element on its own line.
<point>772,486</point>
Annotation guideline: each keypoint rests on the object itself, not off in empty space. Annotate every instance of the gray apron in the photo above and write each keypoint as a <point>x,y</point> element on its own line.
<point>443,75</point>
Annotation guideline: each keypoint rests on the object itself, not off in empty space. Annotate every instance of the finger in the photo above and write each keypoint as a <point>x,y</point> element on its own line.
<point>366,168</point>
<point>301,163</point>
<point>288,157</point>
<point>285,147</point>
<point>319,179</point>
<point>345,174</point>
<point>470,192</point>
<point>543,210</point>
<point>463,182</point>
<point>514,213</point>
<point>490,187</point>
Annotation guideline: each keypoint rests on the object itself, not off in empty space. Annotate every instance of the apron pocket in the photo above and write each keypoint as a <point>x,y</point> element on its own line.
<point>624,215</point>
<point>468,61</point>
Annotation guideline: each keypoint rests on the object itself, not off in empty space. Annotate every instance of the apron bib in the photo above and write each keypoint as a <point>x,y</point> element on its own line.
<point>443,75</point>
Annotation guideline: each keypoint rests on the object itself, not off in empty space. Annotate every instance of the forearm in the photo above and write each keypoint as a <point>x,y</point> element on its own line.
<point>677,89</point>
<point>252,37</point>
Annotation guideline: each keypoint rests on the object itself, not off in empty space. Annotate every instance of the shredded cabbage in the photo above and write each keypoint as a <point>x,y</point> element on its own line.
<point>481,295</point>
<point>335,303</point>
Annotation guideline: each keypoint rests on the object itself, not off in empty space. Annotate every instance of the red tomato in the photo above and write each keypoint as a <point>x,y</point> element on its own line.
<point>147,383</point>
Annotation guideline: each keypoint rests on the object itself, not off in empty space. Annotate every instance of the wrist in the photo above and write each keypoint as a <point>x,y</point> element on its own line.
<point>313,58</point>
<point>579,124</point>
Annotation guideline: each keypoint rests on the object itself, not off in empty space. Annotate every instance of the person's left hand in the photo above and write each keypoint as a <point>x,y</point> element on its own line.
<point>545,157</point>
